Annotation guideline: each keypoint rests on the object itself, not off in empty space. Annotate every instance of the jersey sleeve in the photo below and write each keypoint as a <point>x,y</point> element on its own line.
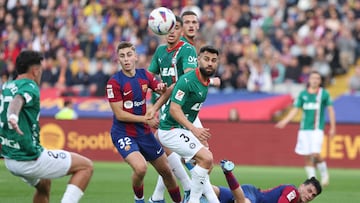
<point>154,65</point>
<point>298,103</point>
<point>152,80</point>
<point>328,100</point>
<point>289,195</point>
<point>28,92</point>
<point>113,91</point>
<point>189,57</point>
<point>180,91</point>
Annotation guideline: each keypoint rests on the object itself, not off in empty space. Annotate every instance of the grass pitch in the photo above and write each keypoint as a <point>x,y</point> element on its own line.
<point>111,183</point>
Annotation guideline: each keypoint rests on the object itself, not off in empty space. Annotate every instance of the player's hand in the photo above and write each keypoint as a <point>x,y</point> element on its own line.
<point>14,125</point>
<point>154,122</point>
<point>205,143</point>
<point>281,124</point>
<point>161,88</point>
<point>202,134</point>
<point>216,81</point>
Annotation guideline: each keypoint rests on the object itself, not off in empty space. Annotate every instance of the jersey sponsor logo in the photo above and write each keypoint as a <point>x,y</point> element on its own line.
<point>110,92</point>
<point>291,195</point>
<point>311,106</point>
<point>168,71</point>
<point>139,103</point>
<point>128,92</point>
<point>179,95</point>
<point>192,59</point>
<point>130,104</point>
<point>9,143</point>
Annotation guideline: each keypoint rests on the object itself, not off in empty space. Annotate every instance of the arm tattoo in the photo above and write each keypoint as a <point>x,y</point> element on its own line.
<point>15,105</point>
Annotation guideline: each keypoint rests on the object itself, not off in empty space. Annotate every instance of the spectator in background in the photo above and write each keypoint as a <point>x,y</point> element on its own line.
<point>354,82</point>
<point>332,55</point>
<point>347,46</point>
<point>322,65</point>
<point>98,80</point>
<point>67,112</point>
<point>50,74</point>
<point>259,80</point>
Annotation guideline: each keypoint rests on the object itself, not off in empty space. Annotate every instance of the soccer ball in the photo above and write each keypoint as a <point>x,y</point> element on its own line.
<point>161,20</point>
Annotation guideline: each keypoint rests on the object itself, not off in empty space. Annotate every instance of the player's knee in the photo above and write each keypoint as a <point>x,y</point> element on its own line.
<point>140,170</point>
<point>206,160</point>
<point>43,187</point>
<point>89,167</point>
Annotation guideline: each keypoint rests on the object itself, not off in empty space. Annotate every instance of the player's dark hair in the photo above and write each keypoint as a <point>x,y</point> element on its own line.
<point>321,77</point>
<point>210,49</point>
<point>123,45</point>
<point>188,13</point>
<point>178,19</point>
<point>26,59</point>
<point>315,183</point>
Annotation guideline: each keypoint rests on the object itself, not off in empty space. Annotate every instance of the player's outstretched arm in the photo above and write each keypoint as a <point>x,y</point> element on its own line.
<point>163,98</point>
<point>288,118</point>
<point>332,130</point>
<point>13,112</point>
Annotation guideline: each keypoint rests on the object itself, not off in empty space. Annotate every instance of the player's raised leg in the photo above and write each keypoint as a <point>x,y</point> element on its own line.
<point>163,168</point>
<point>138,163</point>
<point>81,170</point>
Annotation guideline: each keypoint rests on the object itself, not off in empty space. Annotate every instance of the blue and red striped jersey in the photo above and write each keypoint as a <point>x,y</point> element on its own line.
<point>132,92</point>
<point>281,194</point>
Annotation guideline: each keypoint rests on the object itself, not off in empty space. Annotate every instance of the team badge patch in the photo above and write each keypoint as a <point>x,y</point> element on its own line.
<point>291,195</point>
<point>179,95</point>
<point>192,145</point>
<point>127,147</point>
<point>144,87</point>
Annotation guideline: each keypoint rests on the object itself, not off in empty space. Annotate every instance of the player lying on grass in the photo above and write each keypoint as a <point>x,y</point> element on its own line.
<point>285,193</point>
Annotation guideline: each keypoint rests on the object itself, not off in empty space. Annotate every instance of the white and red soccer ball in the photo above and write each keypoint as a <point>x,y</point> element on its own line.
<point>161,20</point>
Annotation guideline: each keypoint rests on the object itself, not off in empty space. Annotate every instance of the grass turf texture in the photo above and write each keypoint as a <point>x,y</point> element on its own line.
<point>111,182</point>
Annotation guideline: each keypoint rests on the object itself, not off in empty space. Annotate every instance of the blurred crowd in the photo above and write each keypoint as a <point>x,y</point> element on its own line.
<point>268,46</point>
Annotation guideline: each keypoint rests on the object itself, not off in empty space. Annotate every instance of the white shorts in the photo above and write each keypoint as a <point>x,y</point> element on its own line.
<point>309,142</point>
<point>181,141</point>
<point>197,123</point>
<point>50,164</point>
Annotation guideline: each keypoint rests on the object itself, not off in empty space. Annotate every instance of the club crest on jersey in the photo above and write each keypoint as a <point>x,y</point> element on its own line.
<point>144,87</point>
<point>127,147</point>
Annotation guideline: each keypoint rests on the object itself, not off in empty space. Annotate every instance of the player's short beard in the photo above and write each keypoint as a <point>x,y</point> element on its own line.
<point>206,73</point>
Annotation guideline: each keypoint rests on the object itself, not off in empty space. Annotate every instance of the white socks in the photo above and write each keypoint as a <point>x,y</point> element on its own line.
<point>199,177</point>
<point>179,172</point>
<point>210,193</point>
<point>159,190</point>
<point>324,173</point>
<point>310,171</point>
<point>322,168</point>
<point>72,194</point>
